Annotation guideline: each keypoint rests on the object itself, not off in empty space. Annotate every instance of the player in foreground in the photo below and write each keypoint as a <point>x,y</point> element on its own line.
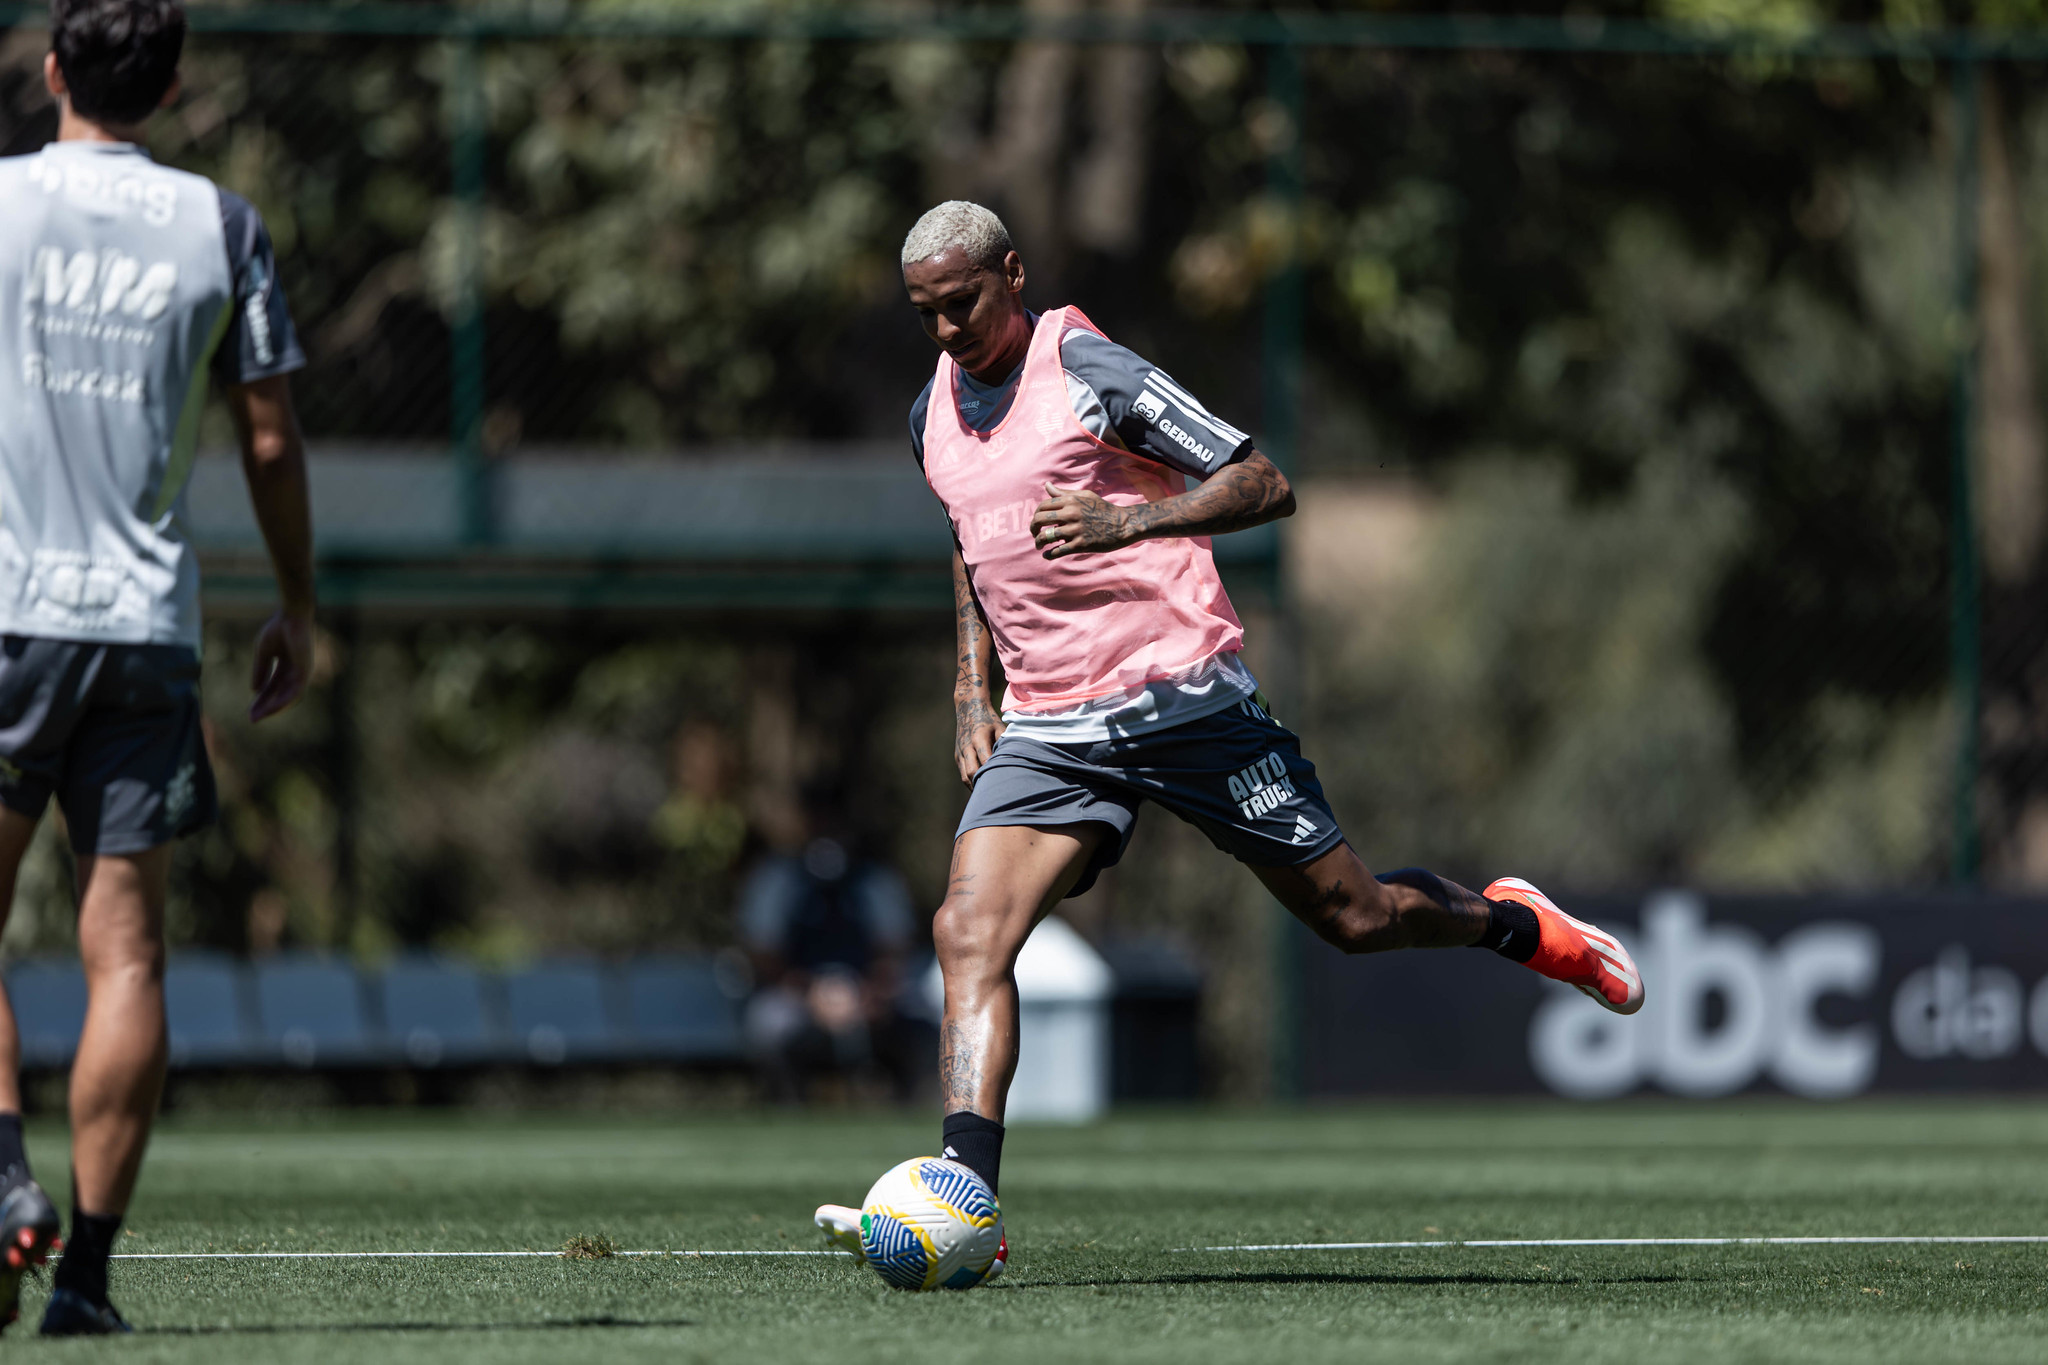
<point>1083,561</point>
<point>122,286</point>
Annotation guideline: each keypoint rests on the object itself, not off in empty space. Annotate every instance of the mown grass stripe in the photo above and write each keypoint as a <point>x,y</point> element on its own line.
<point>417,1255</point>
<point>1622,1242</point>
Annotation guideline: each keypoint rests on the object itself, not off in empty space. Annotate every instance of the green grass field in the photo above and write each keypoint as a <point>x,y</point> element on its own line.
<point>1094,1215</point>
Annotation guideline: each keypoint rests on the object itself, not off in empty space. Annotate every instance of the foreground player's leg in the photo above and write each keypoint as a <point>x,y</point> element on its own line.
<point>1359,913</point>
<point>1004,880</point>
<point>118,1077</point>
<point>28,1220</point>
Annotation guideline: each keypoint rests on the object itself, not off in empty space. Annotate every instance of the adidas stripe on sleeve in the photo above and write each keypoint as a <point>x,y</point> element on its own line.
<point>1150,413</point>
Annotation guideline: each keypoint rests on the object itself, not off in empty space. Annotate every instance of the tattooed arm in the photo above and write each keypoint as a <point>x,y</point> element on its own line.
<point>1072,521</point>
<point>976,726</point>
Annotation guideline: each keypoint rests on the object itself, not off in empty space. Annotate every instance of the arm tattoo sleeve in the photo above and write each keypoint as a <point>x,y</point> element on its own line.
<point>970,632</point>
<point>1248,493</point>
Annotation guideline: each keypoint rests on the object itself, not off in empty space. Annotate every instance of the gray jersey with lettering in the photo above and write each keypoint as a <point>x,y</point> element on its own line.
<point>1121,398</point>
<point>123,286</point>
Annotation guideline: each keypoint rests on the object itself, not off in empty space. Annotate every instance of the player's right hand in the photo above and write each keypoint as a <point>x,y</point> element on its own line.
<point>976,728</point>
<point>284,663</point>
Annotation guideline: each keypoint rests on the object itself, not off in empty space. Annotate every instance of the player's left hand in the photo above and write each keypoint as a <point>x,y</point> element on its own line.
<point>284,663</point>
<point>1073,521</point>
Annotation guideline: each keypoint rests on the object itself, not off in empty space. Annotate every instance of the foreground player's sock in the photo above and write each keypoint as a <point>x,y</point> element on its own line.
<point>1511,929</point>
<point>976,1143</point>
<point>13,1154</point>
<point>83,1267</point>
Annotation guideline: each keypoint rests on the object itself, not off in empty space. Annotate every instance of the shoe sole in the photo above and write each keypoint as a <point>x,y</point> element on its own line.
<point>1605,946</point>
<point>838,1237</point>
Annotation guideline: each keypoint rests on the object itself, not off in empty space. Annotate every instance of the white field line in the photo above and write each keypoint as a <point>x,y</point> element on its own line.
<point>1270,1246</point>
<point>1625,1242</point>
<point>413,1255</point>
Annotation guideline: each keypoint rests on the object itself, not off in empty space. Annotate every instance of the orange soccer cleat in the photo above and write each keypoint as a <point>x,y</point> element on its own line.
<point>28,1234</point>
<point>1575,952</point>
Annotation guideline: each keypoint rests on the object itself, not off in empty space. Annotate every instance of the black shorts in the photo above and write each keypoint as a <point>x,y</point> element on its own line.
<point>113,732</point>
<point>1236,774</point>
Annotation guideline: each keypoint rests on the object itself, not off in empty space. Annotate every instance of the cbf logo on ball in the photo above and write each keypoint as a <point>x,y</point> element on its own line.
<point>1768,1024</point>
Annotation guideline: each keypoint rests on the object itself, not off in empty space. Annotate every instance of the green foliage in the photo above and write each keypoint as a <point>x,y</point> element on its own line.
<point>487,777</point>
<point>1667,338</point>
<point>1535,678</point>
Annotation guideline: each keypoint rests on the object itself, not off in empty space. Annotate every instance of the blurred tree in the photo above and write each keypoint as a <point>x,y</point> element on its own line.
<point>2010,443</point>
<point>1669,338</point>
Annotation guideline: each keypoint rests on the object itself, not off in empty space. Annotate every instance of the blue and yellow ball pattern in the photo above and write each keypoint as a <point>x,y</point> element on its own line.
<point>931,1223</point>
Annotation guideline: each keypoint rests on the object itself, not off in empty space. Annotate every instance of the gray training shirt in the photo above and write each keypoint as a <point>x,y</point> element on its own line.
<point>1120,397</point>
<point>123,286</point>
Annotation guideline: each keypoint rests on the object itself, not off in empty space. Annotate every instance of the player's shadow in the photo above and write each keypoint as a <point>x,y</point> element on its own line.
<point>292,1329</point>
<point>1312,1277</point>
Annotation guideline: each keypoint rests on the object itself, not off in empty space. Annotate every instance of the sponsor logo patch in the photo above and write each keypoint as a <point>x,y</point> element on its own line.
<point>153,198</point>
<point>100,283</point>
<point>1261,787</point>
<point>71,382</point>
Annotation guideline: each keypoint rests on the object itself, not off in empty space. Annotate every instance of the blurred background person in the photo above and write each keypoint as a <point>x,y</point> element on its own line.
<point>829,932</point>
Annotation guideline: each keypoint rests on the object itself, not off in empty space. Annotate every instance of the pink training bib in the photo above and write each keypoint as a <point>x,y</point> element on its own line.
<point>1089,625</point>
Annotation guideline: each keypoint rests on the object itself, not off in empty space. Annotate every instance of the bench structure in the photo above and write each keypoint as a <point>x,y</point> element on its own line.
<point>304,1010</point>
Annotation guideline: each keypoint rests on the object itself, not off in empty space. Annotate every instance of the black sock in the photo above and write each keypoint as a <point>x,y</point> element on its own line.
<point>83,1269</point>
<point>1511,931</point>
<point>976,1143</point>
<point>13,1154</point>
<point>1511,928</point>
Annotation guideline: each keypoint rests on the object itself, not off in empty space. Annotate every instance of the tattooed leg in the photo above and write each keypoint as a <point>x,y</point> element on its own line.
<point>1004,881</point>
<point>1348,907</point>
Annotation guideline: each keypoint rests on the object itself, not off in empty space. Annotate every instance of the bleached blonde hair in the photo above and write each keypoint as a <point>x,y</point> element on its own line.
<point>972,228</point>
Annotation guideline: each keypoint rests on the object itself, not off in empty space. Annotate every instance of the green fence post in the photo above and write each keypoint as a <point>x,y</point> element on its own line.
<point>1965,645</point>
<point>1280,403</point>
<point>1284,287</point>
<point>466,327</point>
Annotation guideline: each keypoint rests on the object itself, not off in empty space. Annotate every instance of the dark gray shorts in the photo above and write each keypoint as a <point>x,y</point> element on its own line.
<point>1237,775</point>
<point>113,732</point>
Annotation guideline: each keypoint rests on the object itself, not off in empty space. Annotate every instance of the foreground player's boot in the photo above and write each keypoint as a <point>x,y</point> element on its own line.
<point>841,1226</point>
<point>28,1230</point>
<point>1001,1263</point>
<point>1575,952</point>
<point>72,1314</point>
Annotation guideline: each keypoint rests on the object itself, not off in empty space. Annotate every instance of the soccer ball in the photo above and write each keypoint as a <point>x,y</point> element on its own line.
<point>931,1224</point>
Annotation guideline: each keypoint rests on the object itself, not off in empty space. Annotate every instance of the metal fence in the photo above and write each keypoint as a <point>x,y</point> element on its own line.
<point>601,314</point>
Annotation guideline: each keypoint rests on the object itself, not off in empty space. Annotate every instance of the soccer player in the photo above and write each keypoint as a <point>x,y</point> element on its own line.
<point>123,286</point>
<point>1082,561</point>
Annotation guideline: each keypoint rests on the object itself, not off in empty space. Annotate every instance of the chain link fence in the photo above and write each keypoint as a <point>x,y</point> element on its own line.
<point>1666,406</point>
